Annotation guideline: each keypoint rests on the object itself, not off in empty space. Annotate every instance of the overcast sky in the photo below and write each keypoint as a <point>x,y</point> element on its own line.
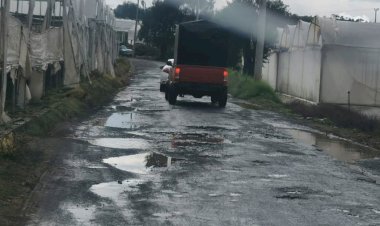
<point>362,8</point>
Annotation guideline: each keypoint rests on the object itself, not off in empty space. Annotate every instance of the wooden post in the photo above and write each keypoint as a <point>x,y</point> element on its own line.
<point>4,44</point>
<point>17,7</point>
<point>137,20</point>
<point>30,14</point>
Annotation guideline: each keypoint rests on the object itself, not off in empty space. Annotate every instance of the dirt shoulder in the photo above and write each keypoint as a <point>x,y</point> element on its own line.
<point>21,167</point>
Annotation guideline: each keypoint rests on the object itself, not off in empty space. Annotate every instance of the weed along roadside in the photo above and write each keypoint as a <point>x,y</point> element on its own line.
<point>327,118</point>
<point>21,168</point>
<point>258,93</point>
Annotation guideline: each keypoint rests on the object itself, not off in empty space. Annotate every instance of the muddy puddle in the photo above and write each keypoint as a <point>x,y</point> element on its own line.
<point>140,163</point>
<point>338,148</point>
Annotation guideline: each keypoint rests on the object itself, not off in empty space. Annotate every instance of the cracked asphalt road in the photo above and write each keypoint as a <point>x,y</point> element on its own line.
<point>140,161</point>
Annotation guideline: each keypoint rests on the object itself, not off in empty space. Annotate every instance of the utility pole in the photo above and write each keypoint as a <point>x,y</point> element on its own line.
<point>17,7</point>
<point>260,40</point>
<point>137,20</point>
<point>198,9</point>
<point>376,9</point>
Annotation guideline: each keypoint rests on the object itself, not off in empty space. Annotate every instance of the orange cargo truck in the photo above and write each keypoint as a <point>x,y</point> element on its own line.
<point>200,61</point>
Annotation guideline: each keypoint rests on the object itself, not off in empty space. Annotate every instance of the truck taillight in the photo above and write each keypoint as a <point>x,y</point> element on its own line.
<point>177,71</point>
<point>225,73</point>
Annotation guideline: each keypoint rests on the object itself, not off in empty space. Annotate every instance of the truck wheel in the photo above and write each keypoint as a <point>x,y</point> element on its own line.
<point>223,100</point>
<point>172,95</point>
<point>214,99</point>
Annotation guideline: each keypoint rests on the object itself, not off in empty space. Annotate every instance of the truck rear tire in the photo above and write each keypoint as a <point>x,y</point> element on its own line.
<point>172,95</point>
<point>214,99</point>
<point>223,100</point>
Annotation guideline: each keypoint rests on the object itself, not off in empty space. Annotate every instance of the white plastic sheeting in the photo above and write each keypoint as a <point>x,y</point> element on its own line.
<point>46,48</point>
<point>85,42</point>
<point>324,60</point>
<point>270,70</point>
<point>354,70</point>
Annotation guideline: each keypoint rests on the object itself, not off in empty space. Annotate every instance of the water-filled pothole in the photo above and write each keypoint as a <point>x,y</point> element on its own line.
<point>121,143</point>
<point>338,148</point>
<point>127,120</point>
<point>141,163</point>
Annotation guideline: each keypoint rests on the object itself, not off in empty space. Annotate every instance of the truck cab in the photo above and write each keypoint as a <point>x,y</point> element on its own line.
<point>200,63</point>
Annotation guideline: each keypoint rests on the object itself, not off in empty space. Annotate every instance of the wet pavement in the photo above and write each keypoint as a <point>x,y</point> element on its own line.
<point>140,161</point>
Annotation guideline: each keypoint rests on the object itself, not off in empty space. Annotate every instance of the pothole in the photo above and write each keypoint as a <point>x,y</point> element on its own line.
<point>295,192</point>
<point>340,149</point>
<point>141,163</point>
<point>190,139</point>
<point>127,120</point>
<point>121,143</point>
<point>260,163</point>
<point>290,152</point>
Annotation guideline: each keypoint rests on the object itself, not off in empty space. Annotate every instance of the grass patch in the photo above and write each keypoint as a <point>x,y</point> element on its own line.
<point>338,115</point>
<point>65,104</point>
<point>247,88</point>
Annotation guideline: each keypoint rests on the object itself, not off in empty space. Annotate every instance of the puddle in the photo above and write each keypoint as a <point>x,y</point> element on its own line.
<point>124,108</point>
<point>277,176</point>
<point>340,149</point>
<point>235,194</point>
<point>212,128</point>
<point>167,215</point>
<point>129,120</point>
<point>140,163</point>
<point>116,191</point>
<point>214,195</point>
<point>81,214</point>
<point>121,143</point>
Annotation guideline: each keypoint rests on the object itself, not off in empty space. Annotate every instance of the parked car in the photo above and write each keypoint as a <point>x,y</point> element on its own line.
<point>125,51</point>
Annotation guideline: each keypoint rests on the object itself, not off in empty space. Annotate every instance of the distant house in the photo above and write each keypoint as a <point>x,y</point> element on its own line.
<point>328,61</point>
<point>125,29</point>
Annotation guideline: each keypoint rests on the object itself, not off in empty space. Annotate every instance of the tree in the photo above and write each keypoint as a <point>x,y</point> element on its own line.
<point>128,11</point>
<point>240,16</point>
<point>199,8</point>
<point>160,20</point>
<point>347,18</point>
<point>158,26</point>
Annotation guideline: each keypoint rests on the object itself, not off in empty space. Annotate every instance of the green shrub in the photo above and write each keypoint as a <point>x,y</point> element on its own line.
<point>245,87</point>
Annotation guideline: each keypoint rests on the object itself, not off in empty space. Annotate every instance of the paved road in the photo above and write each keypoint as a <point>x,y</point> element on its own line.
<point>140,161</point>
